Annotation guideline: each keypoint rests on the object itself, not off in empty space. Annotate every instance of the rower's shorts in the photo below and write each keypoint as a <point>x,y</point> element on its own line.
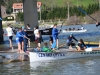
<point>10,37</point>
<point>39,40</point>
<point>29,37</point>
<point>19,40</point>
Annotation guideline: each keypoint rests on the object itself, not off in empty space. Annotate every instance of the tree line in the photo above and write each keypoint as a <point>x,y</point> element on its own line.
<point>48,13</point>
<point>62,12</point>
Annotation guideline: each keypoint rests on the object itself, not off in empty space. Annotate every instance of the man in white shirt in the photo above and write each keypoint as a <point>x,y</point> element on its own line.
<point>37,36</point>
<point>10,34</point>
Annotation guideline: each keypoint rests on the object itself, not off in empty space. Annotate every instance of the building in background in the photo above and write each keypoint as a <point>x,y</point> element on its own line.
<point>3,12</point>
<point>39,4</point>
<point>18,7</point>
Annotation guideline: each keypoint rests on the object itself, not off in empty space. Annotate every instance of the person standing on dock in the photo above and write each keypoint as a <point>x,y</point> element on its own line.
<point>10,34</point>
<point>19,40</point>
<point>29,36</point>
<point>25,38</point>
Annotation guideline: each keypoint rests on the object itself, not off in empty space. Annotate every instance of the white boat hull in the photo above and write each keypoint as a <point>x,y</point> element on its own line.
<point>65,31</point>
<point>47,56</point>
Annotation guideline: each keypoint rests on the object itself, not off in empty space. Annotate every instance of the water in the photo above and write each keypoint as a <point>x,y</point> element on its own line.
<point>82,66</point>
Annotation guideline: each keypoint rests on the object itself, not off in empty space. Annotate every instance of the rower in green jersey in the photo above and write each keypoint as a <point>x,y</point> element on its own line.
<point>46,48</point>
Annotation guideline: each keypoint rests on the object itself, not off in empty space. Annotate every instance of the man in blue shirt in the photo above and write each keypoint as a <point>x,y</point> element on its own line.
<point>55,36</point>
<point>19,40</point>
<point>25,38</point>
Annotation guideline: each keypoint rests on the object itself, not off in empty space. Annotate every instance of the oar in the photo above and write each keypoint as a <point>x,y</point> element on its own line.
<point>98,23</point>
<point>86,13</point>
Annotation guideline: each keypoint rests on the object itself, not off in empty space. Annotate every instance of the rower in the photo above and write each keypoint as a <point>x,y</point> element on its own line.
<point>46,48</point>
<point>82,27</point>
<point>97,24</point>
<point>81,45</point>
<point>37,49</point>
<point>70,42</point>
<point>73,28</point>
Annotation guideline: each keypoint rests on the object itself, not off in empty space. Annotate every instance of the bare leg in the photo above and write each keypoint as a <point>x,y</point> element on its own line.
<point>70,47</point>
<point>39,44</point>
<point>22,46</point>
<point>78,48</point>
<point>57,43</point>
<point>19,47</point>
<point>51,43</point>
<point>29,43</point>
<point>10,43</point>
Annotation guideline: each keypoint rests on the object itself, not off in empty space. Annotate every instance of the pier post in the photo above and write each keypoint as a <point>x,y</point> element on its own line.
<point>30,13</point>
<point>1,29</point>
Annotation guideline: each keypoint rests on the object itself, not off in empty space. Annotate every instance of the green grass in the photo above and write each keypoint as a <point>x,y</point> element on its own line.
<point>62,3</point>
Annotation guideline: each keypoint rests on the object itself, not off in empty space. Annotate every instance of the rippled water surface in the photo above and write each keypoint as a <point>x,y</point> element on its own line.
<point>82,66</point>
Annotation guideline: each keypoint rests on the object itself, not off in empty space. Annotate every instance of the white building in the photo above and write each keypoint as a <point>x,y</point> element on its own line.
<point>18,7</point>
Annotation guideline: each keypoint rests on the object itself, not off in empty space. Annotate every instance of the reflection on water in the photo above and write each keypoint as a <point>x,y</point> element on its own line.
<point>68,67</point>
<point>82,66</point>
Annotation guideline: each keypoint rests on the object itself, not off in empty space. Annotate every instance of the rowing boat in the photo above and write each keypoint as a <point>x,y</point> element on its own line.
<point>65,31</point>
<point>63,54</point>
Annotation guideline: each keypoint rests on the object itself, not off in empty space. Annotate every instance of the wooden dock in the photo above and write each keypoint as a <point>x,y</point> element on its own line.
<point>7,56</point>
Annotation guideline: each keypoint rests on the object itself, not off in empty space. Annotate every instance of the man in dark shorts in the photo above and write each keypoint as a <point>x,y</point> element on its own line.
<point>10,34</point>
<point>38,36</point>
<point>50,40</point>
<point>29,36</point>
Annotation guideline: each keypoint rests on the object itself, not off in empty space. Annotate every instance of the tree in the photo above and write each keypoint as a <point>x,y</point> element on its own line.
<point>2,2</point>
<point>20,17</point>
